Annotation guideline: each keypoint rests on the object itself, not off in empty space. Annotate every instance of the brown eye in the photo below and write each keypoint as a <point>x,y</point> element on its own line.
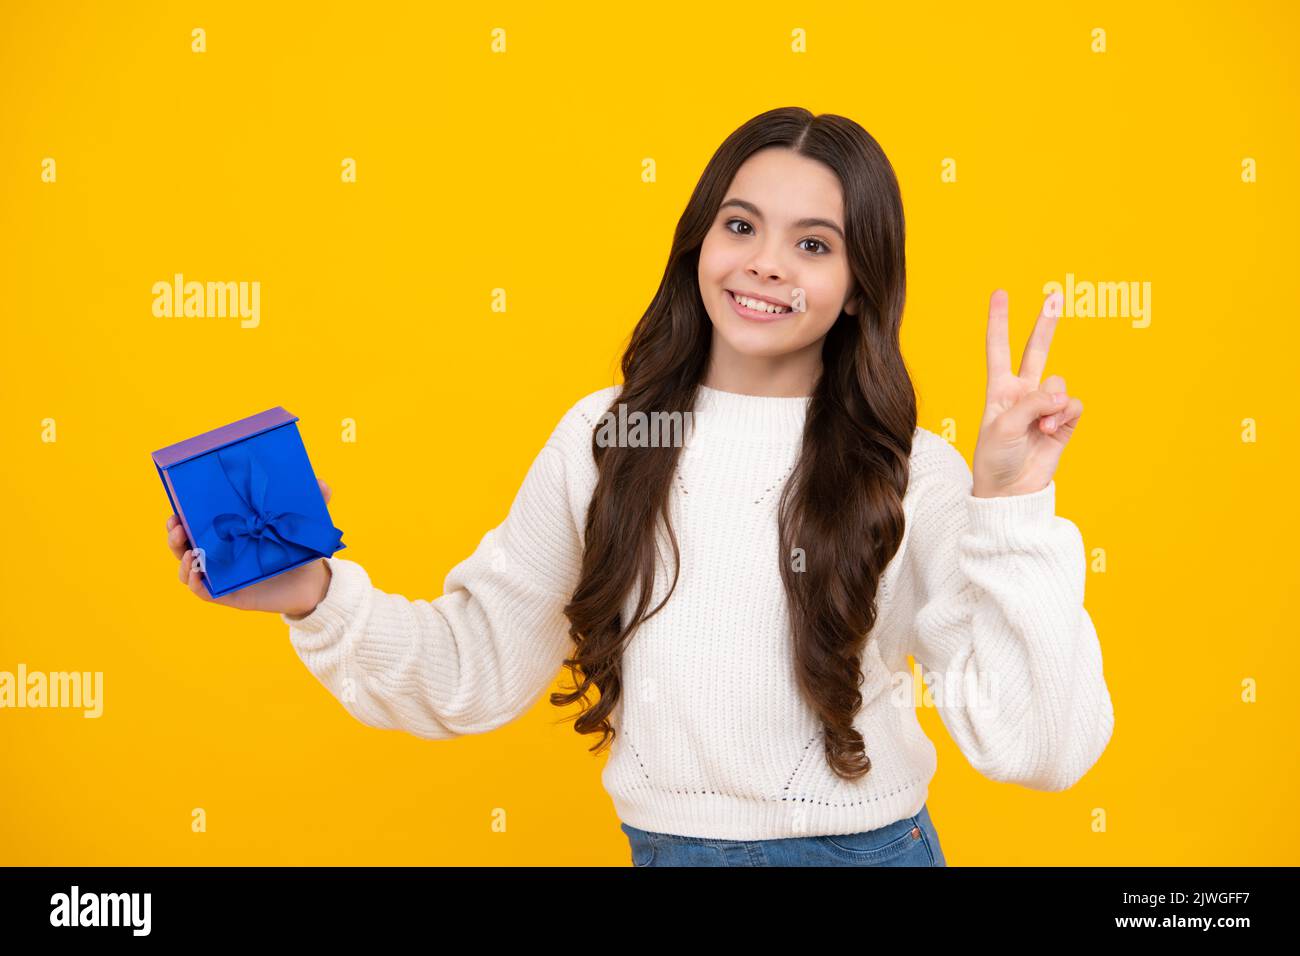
<point>825,247</point>
<point>742,222</point>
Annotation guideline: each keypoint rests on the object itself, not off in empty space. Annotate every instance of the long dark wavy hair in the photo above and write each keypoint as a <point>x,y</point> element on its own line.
<point>843,500</point>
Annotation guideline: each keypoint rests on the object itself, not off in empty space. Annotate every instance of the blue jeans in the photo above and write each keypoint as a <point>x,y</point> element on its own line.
<point>911,841</point>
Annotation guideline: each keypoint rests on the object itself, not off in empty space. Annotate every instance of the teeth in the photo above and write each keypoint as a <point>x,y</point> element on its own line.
<point>760,306</point>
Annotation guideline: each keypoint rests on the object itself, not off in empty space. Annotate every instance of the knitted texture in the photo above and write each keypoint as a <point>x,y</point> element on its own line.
<point>713,738</point>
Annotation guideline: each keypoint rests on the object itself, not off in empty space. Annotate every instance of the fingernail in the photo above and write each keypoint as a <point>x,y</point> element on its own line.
<point>1051,422</point>
<point>1060,397</point>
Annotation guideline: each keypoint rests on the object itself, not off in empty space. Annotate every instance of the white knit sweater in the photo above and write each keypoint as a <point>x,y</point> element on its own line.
<point>712,737</point>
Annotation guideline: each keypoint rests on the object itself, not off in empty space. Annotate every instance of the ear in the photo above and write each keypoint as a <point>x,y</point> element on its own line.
<point>851,306</point>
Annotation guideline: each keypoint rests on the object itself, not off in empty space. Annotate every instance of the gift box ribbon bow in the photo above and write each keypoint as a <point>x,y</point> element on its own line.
<point>269,532</point>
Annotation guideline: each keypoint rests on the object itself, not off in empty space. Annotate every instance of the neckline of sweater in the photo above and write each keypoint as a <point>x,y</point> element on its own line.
<point>777,418</point>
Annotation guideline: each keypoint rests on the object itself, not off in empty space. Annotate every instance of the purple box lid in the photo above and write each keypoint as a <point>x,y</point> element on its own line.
<point>220,437</point>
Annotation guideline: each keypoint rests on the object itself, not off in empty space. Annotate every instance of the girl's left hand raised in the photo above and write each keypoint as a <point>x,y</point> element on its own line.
<point>1026,424</point>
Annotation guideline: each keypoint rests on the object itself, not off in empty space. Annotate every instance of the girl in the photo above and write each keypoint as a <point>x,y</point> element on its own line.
<point>765,714</point>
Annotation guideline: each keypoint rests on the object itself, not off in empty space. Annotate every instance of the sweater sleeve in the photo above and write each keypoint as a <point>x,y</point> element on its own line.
<point>1001,624</point>
<point>472,659</point>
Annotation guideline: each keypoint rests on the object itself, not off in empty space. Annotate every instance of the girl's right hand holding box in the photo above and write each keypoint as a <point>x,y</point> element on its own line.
<point>295,592</point>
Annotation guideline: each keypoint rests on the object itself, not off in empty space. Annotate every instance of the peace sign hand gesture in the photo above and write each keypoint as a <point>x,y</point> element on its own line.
<point>1026,424</point>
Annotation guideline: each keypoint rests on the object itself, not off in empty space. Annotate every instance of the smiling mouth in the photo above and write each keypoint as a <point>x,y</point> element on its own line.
<point>756,308</point>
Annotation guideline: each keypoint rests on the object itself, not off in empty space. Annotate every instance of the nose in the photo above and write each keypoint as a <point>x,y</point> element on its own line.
<point>764,270</point>
<point>765,264</point>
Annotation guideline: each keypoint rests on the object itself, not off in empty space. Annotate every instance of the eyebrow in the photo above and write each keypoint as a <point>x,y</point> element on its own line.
<point>798,224</point>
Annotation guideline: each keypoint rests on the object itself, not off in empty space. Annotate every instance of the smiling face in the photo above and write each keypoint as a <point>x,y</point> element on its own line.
<point>778,236</point>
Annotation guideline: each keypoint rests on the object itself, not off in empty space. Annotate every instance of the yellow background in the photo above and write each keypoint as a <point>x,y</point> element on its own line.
<point>522,171</point>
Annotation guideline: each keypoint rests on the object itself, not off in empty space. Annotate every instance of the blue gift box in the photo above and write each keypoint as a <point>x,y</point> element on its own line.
<point>248,498</point>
